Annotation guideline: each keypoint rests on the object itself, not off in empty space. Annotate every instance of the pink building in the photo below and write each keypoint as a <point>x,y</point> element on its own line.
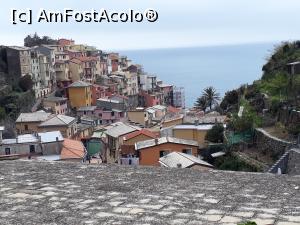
<point>99,91</point>
<point>105,116</point>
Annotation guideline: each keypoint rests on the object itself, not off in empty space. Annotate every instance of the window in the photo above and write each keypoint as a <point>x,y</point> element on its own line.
<point>187,151</point>
<point>163,153</point>
<point>7,151</point>
<point>32,149</point>
<point>26,127</point>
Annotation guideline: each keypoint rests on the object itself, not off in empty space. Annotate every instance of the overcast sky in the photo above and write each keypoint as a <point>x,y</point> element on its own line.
<point>181,23</point>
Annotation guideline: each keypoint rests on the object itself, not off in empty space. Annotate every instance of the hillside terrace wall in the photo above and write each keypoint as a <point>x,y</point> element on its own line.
<point>269,144</point>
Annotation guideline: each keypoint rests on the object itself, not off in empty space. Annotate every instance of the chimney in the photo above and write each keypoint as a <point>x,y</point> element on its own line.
<point>156,141</point>
<point>196,122</point>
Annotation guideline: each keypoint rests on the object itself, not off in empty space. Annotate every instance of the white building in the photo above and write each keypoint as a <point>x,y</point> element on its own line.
<point>178,97</point>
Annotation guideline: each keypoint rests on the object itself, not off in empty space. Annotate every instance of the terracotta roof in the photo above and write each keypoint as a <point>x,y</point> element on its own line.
<point>86,59</point>
<point>172,109</point>
<point>76,61</point>
<point>139,132</point>
<point>72,149</point>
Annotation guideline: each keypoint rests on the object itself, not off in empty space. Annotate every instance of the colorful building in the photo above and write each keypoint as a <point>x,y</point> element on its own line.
<point>139,116</point>
<point>128,147</point>
<point>28,123</point>
<point>58,105</point>
<point>192,132</point>
<point>80,94</point>
<point>150,151</point>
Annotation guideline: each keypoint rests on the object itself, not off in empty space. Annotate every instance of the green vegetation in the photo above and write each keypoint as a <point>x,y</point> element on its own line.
<point>247,121</point>
<point>25,83</point>
<point>35,40</point>
<point>201,103</point>
<point>209,98</point>
<point>211,95</point>
<point>234,163</point>
<point>230,101</point>
<point>15,98</point>
<point>247,223</point>
<point>215,135</point>
<point>272,98</point>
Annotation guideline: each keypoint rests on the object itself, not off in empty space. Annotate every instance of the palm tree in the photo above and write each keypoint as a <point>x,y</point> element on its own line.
<point>201,103</point>
<point>211,95</point>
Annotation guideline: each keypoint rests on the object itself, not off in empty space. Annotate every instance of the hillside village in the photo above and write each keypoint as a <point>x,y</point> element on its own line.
<point>93,106</point>
<point>78,103</point>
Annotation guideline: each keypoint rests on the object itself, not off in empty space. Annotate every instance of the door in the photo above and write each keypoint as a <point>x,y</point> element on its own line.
<point>7,151</point>
<point>32,149</point>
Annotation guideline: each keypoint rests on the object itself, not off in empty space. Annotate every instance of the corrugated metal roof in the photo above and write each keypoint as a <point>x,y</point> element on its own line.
<point>185,160</point>
<point>79,84</point>
<point>33,117</point>
<point>27,138</point>
<point>87,108</point>
<point>46,137</point>
<point>195,127</point>
<point>149,143</point>
<point>58,120</point>
<point>120,129</point>
<point>49,157</point>
<point>9,141</point>
<point>55,99</point>
<point>52,136</point>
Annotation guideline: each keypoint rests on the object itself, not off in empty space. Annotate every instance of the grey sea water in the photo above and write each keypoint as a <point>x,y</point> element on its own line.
<point>223,67</point>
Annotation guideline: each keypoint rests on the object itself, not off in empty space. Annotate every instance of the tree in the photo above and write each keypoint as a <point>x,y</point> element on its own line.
<point>26,83</point>
<point>230,99</point>
<point>2,113</point>
<point>201,103</point>
<point>211,96</point>
<point>215,134</point>
<point>35,40</point>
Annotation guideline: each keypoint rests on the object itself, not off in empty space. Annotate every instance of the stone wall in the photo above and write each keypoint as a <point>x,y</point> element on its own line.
<point>293,166</point>
<point>269,144</point>
<point>281,164</point>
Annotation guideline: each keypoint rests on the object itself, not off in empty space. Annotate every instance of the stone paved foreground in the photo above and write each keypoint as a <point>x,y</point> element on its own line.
<point>70,193</point>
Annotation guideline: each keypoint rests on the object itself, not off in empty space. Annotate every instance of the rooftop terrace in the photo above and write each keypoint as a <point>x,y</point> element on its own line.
<point>70,193</point>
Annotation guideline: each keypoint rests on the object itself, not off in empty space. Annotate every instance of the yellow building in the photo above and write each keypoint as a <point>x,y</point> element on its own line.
<point>140,116</point>
<point>28,123</point>
<point>172,122</point>
<point>192,132</point>
<point>76,69</point>
<point>80,94</point>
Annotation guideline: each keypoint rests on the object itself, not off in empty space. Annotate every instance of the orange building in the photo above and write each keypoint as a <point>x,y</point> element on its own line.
<point>80,94</point>
<point>150,151</point>
<point>128,147</point>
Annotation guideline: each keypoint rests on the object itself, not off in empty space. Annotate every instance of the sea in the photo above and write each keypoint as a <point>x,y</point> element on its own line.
<point>195,68</point>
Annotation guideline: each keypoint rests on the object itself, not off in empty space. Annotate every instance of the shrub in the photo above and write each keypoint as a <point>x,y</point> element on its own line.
<point>215,134</point>
<point>2,113</point>
<point>248,223</point>
<point>26,83</point>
